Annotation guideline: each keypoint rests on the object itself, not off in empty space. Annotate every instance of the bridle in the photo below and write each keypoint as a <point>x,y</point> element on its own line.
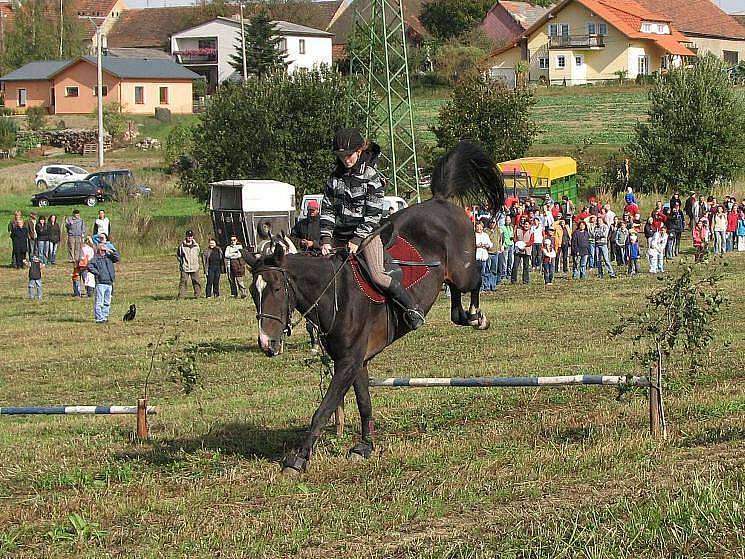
<point>289,288</point>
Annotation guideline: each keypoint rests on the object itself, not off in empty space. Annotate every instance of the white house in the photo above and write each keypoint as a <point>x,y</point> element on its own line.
<point>208,48</point>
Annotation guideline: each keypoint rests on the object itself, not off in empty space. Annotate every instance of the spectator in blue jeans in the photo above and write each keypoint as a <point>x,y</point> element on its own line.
<point>102,267</point>
<point>602,253</point>
<point>580,250</point>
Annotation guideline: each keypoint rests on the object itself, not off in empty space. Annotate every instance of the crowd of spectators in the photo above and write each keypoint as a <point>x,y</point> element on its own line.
<point>556,237</point>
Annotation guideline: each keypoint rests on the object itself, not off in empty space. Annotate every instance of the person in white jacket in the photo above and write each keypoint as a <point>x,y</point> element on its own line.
<point>656,251</point>
<point>483,244</point>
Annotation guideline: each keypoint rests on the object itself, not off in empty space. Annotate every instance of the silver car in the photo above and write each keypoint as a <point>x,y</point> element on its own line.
<point>51,175</point>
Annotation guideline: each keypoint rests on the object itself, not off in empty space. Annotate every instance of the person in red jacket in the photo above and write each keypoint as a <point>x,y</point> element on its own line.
<point>732,217</point>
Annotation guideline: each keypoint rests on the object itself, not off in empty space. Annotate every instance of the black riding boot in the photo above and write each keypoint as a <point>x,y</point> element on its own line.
<point>413,316</point>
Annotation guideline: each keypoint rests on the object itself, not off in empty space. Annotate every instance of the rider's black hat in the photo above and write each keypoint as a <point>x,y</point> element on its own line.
<point>347,141</point>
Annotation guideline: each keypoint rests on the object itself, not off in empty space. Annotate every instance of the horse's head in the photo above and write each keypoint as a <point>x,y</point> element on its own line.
<point>272,292</point>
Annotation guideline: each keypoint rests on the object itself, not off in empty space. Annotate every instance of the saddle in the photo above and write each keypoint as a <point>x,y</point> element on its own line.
<point>401,261</point>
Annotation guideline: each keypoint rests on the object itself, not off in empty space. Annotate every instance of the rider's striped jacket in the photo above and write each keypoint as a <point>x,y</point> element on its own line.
<point>352,204</point>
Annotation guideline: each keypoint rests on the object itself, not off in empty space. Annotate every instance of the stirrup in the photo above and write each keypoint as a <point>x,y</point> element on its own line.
<point>414,318</point>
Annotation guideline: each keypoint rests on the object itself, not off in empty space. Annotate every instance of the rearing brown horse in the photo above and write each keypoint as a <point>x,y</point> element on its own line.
<point>353,329</point>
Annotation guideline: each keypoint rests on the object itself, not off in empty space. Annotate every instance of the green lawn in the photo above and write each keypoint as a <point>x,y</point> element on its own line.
<point>565,116</point>
<point>516,473</point>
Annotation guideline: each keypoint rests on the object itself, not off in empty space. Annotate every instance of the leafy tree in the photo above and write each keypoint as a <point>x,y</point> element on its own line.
<point>280,127</point>
<point>38,31</point>
<point>489,113</point>
<point>36,118</point>
<point>446,19</point>
<point>8,130</point>
<point>263,53</point>
<point>114,120</point>
<point>179,145</point>
<point>696,130</point>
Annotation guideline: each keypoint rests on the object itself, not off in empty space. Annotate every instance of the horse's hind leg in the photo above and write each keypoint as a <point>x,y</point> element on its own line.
<point>365,447</point>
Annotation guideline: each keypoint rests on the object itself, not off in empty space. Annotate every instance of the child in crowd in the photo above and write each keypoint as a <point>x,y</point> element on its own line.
<point>549,261</point>
<point>701,238</point>
<point>632,254</point>
<point>76,280</point>
<point>34,277</point>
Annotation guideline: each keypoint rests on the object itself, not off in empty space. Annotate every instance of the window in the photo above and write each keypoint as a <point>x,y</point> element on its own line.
<point>207,43</point>
<point>646,27</point>
<point>104,90</point>
<point>139,95</point>
<point>731,57</point>
<point>22,97</point>
<point>543,63</point>
<point>578,61</point>
<point>602,28</point>
<point>591,29</point>
<point>163,95</point>
<point>643,65</point>
<point>564,29</point>
<point>301,46</point>
<point>283,45</point>
<point>556,29</point>
<point>561,61</point>
<point>663,62</point>
<point>661,29</point>
<point>71,91</point>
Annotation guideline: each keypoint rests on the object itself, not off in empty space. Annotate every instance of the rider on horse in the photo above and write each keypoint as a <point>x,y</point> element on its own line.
<point>351,210</point>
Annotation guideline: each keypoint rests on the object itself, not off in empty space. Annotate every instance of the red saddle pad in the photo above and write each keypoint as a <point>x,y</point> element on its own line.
<point>399,250</point>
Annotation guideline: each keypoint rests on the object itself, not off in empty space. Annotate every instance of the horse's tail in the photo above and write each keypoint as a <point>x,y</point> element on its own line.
<point>469,174</point>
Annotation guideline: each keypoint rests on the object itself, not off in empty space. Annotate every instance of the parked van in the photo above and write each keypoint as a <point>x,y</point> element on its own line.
<point>395,202</point>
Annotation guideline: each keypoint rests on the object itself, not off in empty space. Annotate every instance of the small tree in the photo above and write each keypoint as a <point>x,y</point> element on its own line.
<point>8,131</point>
<point>446,19</point>
<point>489,113</point>
<point>279,127</point>
<point>696,130</point>
<point>264,54</point>
<point>36,118</point>
<point>114,120</point>
<point>679,316</point>
<point>178,148</point>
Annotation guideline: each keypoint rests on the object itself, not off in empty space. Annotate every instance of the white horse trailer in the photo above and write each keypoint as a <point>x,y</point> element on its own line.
<point>240,207</point>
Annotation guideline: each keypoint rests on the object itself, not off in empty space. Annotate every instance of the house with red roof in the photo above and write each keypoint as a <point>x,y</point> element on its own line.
<point>507,20</point>
<point>593,41</point>
<point>709,28</point>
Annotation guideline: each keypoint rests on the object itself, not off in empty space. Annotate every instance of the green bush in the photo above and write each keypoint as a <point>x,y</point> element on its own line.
<point>178,146</point>
<point>489,113</point>
<point>114,120</point>
<point>280,127</point>
<point>36,118</point>
<point>695,133</point>
<point>8,129</point>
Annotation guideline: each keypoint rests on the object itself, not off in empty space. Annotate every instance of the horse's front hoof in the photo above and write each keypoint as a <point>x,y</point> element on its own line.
<point>482,323</point>
<point>294,465</point>
<point>361,451</point>
<point>288,472</point>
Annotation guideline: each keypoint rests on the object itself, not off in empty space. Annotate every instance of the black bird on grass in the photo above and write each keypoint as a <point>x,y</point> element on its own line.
<point>130,314</point>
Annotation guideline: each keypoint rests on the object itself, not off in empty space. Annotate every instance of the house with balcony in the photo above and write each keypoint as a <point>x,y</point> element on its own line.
<point>208,48</point>
<point>592,41</point>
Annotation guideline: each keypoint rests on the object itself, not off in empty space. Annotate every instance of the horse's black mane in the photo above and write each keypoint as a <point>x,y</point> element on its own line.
<point>467,173</point>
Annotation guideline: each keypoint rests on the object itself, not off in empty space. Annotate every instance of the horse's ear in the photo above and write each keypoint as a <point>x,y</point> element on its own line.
<point>291,248</point>
<point>279,252</point>
<point>250,257</point>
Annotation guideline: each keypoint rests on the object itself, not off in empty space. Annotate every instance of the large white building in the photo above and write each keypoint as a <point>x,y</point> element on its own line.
<point>207,48</point>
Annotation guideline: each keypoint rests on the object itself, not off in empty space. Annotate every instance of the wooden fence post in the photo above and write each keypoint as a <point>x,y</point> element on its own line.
<point>339,418</point>
<point>142,431</point>
<point>655,424</point>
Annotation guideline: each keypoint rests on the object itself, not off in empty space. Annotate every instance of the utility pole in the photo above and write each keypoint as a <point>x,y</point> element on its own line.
<point>99,85</point>
<point>61,26</point>
<point>243,44</point>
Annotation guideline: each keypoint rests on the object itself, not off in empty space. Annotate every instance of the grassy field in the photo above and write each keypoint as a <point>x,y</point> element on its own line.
<point>458,473</point>
<point>566,117</point>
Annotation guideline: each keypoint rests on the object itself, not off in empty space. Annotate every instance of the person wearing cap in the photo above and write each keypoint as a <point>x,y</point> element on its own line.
<point>352,208</point>
<point>75,233</point>
<point>306,235</point>
<point>188,255</point>
<point>102,267</point>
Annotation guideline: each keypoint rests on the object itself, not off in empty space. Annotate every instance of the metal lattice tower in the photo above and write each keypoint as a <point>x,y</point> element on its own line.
<point>380,89</point>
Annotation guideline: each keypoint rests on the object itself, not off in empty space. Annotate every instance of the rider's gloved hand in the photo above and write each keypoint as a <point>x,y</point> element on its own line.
<point>325,249</point>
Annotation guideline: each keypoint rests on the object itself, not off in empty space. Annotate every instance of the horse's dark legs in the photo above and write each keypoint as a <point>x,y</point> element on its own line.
<point>345,371</point>
<point>364,404</point>
<point>457,314</point>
